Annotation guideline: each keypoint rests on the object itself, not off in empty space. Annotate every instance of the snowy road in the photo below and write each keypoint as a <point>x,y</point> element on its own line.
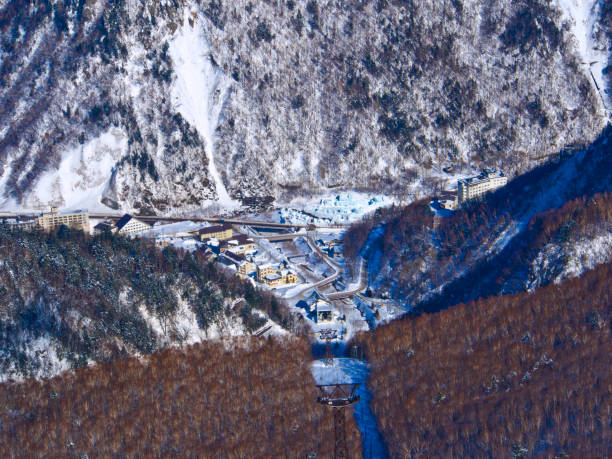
<point>353,290</point>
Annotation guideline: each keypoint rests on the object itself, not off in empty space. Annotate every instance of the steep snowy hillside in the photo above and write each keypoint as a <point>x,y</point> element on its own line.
<point>184,105</point>
<point>381,94</point>
<point>588,20</point>
<point>72,74</point>
<point>549,224</point>
<point>67,300</point>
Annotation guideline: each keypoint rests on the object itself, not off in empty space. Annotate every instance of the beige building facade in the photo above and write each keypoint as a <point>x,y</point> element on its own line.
<point>273,275</point>
<point>265,270</point>
<point>219,232</point>
<point>474,187</point>
<point>77,219</point>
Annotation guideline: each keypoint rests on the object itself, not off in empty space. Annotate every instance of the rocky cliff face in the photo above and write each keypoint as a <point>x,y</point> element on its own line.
<point>160,106</point>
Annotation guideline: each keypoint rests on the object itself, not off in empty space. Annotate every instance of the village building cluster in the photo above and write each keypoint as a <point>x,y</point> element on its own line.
<point>238,250</point>
<point>304,266</point>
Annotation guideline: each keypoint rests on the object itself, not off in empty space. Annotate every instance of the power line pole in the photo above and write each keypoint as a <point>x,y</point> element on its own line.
<point>337,397</point>
<point>328,334</point>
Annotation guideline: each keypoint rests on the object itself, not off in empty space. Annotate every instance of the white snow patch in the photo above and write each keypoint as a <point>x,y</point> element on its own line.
<point>80,179</point>
<point>583,15</point>
<point>200,91</point>
<point>586,254</point>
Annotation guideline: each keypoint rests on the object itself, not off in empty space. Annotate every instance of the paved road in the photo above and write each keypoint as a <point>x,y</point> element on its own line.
<point>328,280</point>
<point>232,221</point>
<point>316,285</point>
<point>363,274</point>
<point>363,281</point>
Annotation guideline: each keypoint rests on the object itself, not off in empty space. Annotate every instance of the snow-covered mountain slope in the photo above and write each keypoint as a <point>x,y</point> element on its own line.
<point>544,226</point>
<point>67,299</point>
<point>586,19</point>
<point>73,73</point>
<point>199,91</point>
<point>82,177</point>
<point>213,102</point>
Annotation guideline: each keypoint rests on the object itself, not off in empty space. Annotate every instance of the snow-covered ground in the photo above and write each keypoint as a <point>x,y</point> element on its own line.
<point>172,229</point>
<point>346,370</point>
<point>199,91</point>
<point>336,208</point>
<point>587,254</point>
<point>582,16</point>
<point>44,351</point>
<point>80,179</point>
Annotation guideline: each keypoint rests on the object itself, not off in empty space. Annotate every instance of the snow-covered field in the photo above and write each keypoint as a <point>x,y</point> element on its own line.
<point>172,229</point>
<point>336,208</point>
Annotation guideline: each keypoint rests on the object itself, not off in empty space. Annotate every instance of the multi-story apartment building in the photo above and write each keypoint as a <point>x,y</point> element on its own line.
<point>78,219</point>
<point>474,187</point>
<point>219,232</point>
<point>264,271</point>
<point>245,268</point>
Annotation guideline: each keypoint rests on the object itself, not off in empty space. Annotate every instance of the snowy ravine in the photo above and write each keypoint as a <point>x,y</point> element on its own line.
<point>345,370</point>
<point>582,16</point>
<point>200,90</point>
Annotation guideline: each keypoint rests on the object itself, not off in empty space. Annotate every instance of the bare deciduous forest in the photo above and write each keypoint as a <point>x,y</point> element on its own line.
<point>256,399</point>
<point>519,375</point>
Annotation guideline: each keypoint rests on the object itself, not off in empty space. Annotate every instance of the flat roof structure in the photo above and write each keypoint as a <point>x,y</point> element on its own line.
<point>215,229</point>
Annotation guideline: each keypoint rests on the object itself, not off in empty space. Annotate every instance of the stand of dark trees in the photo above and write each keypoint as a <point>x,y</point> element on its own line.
<point>248,398</point>
<point>523,375</point>
<point>87,294</point>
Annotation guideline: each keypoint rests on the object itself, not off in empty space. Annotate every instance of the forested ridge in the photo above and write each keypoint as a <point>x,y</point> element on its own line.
<point>548,224</point>
<point>248,398</point>
<point>523,375</point>
<point>67,299</point>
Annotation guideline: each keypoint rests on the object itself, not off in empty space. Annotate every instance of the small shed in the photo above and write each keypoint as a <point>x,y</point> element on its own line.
<point>324,311</point>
